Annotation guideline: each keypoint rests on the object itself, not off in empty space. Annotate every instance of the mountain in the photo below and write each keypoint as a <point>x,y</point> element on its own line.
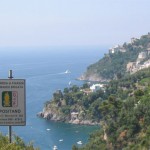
<point>121,60</point>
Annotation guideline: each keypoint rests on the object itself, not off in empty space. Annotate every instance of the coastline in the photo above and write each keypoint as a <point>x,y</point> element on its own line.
<point>58,118</point>
<point>53,110</point>
<point>92,78</point>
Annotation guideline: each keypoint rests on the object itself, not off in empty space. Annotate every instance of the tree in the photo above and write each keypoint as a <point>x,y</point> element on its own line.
<point>85,85</point>
<point>57,96</point>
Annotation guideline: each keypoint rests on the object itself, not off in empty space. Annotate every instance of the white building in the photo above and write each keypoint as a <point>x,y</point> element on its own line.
<point>96,87</point>
<point>123,50</point>
<point>117,48</point>
<point>114,49</point>
<point>142,55</point>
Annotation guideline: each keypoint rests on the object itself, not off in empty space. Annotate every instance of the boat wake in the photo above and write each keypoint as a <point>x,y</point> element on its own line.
<point>50,74</point>
<point>66,72</point>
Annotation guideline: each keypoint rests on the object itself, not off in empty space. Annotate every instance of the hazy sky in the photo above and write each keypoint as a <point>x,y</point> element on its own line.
<point>72,22</point>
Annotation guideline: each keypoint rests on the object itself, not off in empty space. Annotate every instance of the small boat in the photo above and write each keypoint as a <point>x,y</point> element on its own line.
<point>67,71</point>
<point>70,83</point>
<point>79,142</point>
<point>55,147</point>
<point>61,140</point>
<point>48,129</point>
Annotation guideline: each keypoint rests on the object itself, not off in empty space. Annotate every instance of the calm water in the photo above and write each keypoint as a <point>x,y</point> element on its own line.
<point>44,71</point>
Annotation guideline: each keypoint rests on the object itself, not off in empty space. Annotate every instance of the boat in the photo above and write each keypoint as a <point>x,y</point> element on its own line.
<point>79,142</point>
<point>61,140</point>
<point>48,129</point>
<point>67,71</point>
<point>55,147</point>
<point>70,83</point>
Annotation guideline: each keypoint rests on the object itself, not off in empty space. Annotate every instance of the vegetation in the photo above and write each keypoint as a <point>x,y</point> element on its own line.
<point>75,99</point>
<point>125,115</point>
<point>123,110</point>
<point>113,65</point>
<point>17,144</point>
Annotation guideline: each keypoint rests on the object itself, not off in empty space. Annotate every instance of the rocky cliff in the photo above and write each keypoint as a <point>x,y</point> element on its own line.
<point>53,116</point>
<point>54,112</point>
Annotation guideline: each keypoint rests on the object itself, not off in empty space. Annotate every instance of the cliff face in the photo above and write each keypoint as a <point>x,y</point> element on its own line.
<point>90,77</point>
<point>74,105</point>
<point>54,113</point>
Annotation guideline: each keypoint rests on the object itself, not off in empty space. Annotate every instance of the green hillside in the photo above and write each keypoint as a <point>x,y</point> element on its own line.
<point>125,122</point>
<point>114,64</point>
<point>122,110</point>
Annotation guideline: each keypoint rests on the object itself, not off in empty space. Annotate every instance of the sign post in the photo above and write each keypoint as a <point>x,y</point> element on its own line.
<point>12,103</point>
<point>9,127</point>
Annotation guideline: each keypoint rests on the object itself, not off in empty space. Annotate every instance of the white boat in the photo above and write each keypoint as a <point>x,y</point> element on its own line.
<point>55,147</point>
<point>79,142</point>
<point>67,71</point>
<point>61,140</point>
<point>70,83</point>
<point>48,129</point>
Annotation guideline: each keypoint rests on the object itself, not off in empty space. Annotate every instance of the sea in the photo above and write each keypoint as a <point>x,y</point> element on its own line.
<point>45,71</point>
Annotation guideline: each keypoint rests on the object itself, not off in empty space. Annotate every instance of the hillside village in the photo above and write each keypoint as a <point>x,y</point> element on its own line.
<point>143,59</point>
<point>120,60</point>
<point>133,67</point>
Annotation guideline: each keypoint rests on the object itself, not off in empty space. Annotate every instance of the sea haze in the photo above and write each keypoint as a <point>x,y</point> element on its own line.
<point>44,70</point>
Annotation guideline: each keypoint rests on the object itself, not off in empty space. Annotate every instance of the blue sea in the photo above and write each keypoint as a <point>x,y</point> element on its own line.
<point>44,72</point>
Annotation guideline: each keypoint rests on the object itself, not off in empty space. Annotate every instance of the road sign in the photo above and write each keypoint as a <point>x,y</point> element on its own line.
<point>12,102</point>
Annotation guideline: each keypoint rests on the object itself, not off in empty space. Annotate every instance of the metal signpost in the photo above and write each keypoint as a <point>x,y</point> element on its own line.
<point>12,102</point>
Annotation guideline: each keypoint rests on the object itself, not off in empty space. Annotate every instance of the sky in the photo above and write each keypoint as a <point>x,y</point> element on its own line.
<point>42,23</point>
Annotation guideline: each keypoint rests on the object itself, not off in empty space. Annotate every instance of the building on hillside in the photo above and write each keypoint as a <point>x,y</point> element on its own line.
<point>142,56</point>
<point>117,48</point>
<point>148,51</point>
<point>147,64</point>
<point>123,50</point>
<point>96,87</point>
<point>114,49</point>
<point>111,51</point>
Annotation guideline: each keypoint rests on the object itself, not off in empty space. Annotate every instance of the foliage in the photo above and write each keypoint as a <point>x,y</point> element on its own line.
<point>125,119</point>
<point>17,144</point>
<point>123,110</point>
